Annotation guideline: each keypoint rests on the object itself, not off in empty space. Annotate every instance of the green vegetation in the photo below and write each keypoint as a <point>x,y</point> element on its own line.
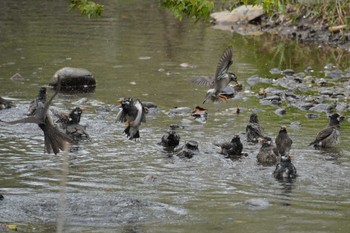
<point>86,7</point>
<point>332,12</point>
<point>198,9</point>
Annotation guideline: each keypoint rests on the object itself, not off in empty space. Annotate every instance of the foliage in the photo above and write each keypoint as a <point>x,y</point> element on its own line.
<point>198,9</point>
<point>87,7</point>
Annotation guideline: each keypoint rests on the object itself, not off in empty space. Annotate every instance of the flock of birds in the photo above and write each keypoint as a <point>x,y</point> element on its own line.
<point>133,112</point>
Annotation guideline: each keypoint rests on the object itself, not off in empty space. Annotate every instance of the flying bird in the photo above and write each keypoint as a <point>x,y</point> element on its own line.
<point>38,114</point>
<point>132,114</point>
<point>221,79</point>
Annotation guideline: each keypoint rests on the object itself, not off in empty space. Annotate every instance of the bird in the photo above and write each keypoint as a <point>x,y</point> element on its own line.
<point>285,168</point>
<point>188,150</point>
<point>254,130</point>
<point>73,129</point>
<point>38,114</point>
<point>267,155</point>
<point>171,139</point>
<point>200,114</point>
<point>221,79</point>
<point>283,141</point>
<point>132,113</point>
<point>40,99</point>
<point>233,148</point>
<point>329,136</point>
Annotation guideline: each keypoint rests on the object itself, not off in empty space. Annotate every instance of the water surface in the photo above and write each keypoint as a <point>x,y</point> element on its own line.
<point>115,185</point>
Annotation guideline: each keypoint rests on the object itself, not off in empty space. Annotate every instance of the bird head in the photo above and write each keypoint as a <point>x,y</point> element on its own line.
<point>75,114</point>
<point>235,138</point>
<point>253,118</point>
<point>335,119</point>
<point>233,77</point>
<point>42,93</point>
<point>283,129</point>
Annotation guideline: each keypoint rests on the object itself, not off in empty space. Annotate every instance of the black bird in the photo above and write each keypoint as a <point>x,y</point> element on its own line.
<point>40,99</point>
<point>73,129</point>
<point>253,129</point>
<point>285,168</point>
<point>268,154</point>
<point>171,139</point>
<point>54,139</point>
<point>222,78</point>
<point>283,142</point>
<point>188,150</point>
<point>329,136</point>
<point>233,148</point>
<point>132,114</point>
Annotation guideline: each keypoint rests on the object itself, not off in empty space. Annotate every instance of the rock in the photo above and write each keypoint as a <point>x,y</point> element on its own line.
<point>257,203</point>
<point>74,80</point>
<point>240,14</point>
<point>17,77</point>
<point>280,111</point>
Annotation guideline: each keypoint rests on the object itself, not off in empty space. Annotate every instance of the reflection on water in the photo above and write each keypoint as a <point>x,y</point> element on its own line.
<point>114,184</point>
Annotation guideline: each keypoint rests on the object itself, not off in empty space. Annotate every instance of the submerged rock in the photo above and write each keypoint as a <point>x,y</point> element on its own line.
<point>74,80</point>
<point>4,104</point>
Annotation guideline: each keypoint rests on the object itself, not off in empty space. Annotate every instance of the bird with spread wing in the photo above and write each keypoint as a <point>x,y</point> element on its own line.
<point>221,80</point>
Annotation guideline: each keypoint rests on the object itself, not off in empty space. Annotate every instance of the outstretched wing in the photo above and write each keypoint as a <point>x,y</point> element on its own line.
<point>224,63</point>
<point>204,81</point>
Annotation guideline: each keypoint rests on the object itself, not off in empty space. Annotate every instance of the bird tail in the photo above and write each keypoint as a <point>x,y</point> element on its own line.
<point>132,132</point>
<point>54,139</point>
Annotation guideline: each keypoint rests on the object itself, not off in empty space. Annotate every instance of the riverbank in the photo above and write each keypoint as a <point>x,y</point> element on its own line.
<point>297,24</point>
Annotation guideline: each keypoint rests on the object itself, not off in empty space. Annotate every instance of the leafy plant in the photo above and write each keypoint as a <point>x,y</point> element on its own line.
<point>87,7</point>
<point>198,9</point>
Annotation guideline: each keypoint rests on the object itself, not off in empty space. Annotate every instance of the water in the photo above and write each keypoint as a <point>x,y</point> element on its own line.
<point>115,185</point>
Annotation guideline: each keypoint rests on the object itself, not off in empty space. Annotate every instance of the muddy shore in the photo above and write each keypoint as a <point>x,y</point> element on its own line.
<point>302,26</point>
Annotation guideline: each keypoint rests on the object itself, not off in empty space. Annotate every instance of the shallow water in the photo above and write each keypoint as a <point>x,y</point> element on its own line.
<point>115,185</point>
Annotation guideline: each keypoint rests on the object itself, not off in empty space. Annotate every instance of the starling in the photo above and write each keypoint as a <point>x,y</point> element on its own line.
<point>188,150</point>
<point>171,139</point>
<point>233,148</point>
<point>38,114</point>
<point>283,142</point>
<point>268,154</point>
<point>329,136</point>
<point>285,168</point>
<point>221,80</point>
<point>132,114</point>
<point>253,129</point>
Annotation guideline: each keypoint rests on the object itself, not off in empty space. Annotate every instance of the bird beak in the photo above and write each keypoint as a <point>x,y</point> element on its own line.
<point>341,118</point>
<point>119,101</point>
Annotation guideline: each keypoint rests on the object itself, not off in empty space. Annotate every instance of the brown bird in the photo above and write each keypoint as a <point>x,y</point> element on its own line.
<point>221,80</point>
<point>283,142</point>
<point>329,136</point>
<point>232,149</point>
<point>254,130</point>
<point>38,114</point>
<point>268,154</point>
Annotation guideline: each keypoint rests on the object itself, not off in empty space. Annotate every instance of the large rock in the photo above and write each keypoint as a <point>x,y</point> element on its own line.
<point>242,14</point>
<point>74,80</point>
